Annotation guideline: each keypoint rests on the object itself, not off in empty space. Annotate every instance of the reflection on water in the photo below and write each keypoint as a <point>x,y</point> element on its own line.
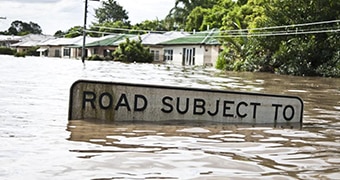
<point>35,145</point>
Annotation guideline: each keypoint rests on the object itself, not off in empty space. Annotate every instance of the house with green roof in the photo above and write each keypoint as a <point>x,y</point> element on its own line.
<point>106,45</point>
<point>199,48</point>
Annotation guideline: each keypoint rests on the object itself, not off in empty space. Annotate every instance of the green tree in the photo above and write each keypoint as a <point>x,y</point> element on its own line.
<point>309,49</point>
<point>111,11</point>
<point>152,25</point>
<point>217,13</point>
<point>22,28</point>
<point>196,18</point>
<point>183,8</point>
<point>132,51</point>
<point>73,32</point>
<point>235,33</point>
<point>59,34</point>
<point>100,29</point>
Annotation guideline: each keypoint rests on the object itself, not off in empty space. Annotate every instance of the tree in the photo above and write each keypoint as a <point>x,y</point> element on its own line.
<point>22,28</point>
<point>235,33</point>
<point>183,8</point>
<point>100,29</point>
<point>196,18</point>
<point>152,25</point>
<point>300,51</point>
<point>59,34</point>
<point>132,51</point>
<point>74,31</point>
<point>111,11</point>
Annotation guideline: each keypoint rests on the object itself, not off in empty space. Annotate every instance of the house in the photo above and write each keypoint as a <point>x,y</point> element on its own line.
<point>30,41</point>
<point>63,47</point>
<point>153,40</point>
<point>104,46</point>
<point>7,40</point>
<point>200,48</point>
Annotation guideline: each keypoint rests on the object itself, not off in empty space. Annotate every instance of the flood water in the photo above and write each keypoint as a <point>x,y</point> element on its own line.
<point>38,142</point>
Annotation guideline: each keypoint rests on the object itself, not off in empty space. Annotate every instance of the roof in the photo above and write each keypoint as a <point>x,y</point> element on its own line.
<point>66,41</point>
<point>204,37</point>
<point>156,38</point>
<point>109,40</point>
<point>32,40</point>
<point>9,38</point>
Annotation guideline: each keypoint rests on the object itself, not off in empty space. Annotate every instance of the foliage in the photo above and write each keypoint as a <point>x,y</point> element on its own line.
<point>74,32</point>
<point>59,34</point>
<point>153,25</point>
<point>132,51</point>
<point>111,11</point>
<point>19,28</point>
<point>178,14</point>
<point>101,29</point>
<point>32,51</point>
<point>20,54</point>
<point>300,53</point>
<point>95,57</point>
<point>6,51</point>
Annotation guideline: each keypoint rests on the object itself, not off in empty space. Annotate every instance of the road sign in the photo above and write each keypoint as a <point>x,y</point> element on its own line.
<point>114,101</point>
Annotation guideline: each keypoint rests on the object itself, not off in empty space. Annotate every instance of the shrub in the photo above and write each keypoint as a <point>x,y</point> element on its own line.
<point>20,54</point>
<point>7,51</point>
<point>95,57</point>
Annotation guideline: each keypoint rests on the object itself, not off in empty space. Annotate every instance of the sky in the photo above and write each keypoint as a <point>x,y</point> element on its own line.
<point>54,15</point>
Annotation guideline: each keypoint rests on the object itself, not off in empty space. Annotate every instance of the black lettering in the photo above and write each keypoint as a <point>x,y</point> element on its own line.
<point>285,114</point>
<point>276,109</point>
<point>186,106</point>
<point>89,96</point>
<point>238,109</point>
<point>164,101</point>
<point>145,101</point>
<point>225,108</point>
<point>199,104</point>
<point>101,100</point>
<point>255,109</point>
<point>216,110</point>
<point>123,101</point>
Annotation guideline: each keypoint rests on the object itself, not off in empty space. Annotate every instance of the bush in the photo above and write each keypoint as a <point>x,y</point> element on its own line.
<point>132,51</point>
<point>95,57</point>
<point>32,51</point>
<point>7,51</point>
<point>20,54</point>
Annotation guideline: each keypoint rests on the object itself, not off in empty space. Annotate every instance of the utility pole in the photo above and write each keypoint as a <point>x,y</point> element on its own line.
<point>83,50</point>
<point>84,34</point>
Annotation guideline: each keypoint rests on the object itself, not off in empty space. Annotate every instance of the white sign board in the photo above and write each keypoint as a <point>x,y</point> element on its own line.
<point>136,102</point>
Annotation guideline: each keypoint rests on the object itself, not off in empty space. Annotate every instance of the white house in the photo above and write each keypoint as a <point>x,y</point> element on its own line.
<point>200,48</point>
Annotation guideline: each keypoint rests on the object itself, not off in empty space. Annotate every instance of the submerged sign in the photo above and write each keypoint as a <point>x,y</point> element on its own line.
<point>136,102</point>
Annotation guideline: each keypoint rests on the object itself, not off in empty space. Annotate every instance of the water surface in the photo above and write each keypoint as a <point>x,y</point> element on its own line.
<point>38,142</point>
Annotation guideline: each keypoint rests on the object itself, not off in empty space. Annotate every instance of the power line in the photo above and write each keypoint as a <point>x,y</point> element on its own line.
<point>285,26</point>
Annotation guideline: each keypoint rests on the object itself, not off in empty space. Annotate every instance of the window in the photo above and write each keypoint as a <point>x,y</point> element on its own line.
<point>57,53</point>
<point>95,51</point>
<point>188,56</point>
<point>67,52</point>
<point>168,54</point>
<point>155,55</point>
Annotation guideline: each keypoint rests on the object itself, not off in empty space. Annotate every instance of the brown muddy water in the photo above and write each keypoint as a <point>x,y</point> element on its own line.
<point>38,142</point>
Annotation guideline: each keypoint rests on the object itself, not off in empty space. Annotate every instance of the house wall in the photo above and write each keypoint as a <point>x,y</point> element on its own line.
<point>158,53</point>
<point>211,55</point>
<point>54,51</point>
<point>178,54</point>
<point>101,51</point>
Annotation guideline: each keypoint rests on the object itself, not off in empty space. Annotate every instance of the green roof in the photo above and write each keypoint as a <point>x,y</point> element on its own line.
<point>205,37</point>
<point>110,41</point>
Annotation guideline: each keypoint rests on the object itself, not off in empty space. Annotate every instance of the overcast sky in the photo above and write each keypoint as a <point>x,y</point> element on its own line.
<point>54,15</point>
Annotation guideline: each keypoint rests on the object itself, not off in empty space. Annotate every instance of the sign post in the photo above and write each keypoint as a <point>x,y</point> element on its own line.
<point>136,102</point>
